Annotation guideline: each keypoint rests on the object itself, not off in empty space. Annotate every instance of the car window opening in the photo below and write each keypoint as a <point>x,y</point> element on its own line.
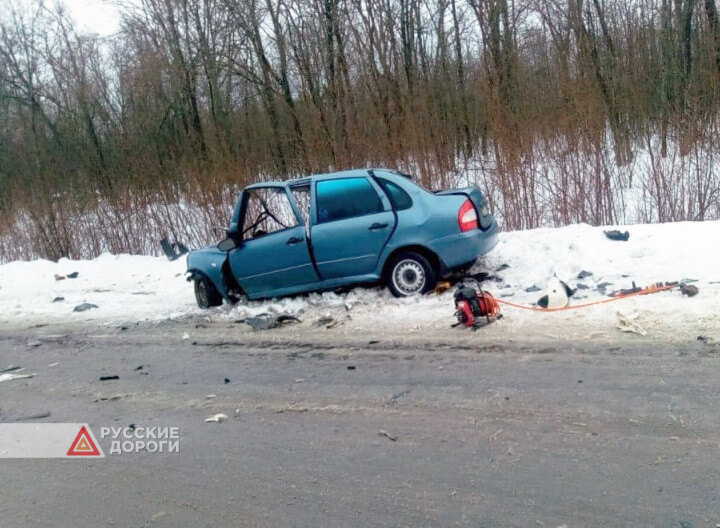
<point>267,211</point>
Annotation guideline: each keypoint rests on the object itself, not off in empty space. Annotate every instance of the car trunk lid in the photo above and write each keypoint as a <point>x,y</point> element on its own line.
<point>477,198</point>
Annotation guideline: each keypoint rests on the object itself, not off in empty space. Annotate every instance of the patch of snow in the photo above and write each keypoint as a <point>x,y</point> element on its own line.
<point>126,288</point>
<point>129,288</point>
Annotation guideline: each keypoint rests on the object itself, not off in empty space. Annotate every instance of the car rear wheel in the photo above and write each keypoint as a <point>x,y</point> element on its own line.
<point>206,293</point>
<point>410,274</point>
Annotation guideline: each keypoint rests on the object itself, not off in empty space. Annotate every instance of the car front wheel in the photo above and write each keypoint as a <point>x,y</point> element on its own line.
<point>410,274</point>
<point>206,294</point>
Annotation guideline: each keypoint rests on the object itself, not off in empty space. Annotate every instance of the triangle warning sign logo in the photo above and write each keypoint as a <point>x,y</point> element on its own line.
<point>84,445</point>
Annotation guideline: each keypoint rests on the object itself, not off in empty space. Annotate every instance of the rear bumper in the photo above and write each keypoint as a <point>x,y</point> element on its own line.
<point>462,248</point>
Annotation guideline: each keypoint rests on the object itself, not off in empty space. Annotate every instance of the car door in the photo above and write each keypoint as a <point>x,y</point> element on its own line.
<point>352,222</point>
<point>273,254</point>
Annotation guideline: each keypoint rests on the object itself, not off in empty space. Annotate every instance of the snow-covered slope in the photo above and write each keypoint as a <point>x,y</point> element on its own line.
<point>129,288</point>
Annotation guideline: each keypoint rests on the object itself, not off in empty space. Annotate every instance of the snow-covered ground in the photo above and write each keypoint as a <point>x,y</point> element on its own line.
<point>130,289</point>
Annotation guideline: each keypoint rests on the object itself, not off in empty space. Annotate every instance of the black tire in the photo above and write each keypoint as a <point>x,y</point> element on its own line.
<point>206,293</point>
<point>410,274</point>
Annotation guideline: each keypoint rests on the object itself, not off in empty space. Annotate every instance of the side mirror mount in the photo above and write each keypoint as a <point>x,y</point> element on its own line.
<point>227,245</point>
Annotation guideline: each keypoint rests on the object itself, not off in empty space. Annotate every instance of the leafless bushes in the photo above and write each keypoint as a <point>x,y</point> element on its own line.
<point>564,111</point>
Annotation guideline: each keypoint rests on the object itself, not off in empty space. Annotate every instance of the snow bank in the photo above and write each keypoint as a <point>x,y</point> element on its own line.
<point>124,287</point>
<point>130,288</point>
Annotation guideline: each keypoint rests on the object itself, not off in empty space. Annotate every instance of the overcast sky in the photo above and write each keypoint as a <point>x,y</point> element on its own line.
<point>93,15</point>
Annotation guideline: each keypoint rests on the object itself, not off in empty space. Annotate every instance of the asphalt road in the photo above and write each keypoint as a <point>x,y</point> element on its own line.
<point>488,435</point>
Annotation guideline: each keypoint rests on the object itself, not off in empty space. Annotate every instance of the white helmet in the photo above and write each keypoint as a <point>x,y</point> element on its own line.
<point>557,294</point>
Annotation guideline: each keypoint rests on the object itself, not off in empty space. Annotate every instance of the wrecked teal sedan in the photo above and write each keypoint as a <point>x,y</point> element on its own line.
<point>331,230</point>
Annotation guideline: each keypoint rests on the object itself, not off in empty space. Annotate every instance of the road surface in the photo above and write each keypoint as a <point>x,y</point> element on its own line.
<point>367,431</point>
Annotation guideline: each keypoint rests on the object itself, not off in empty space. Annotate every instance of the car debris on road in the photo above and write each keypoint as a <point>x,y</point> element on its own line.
<point>387,435</point>
<point>11,373</point>
<point>628,323</point>
<point>267,321</point>
<point>618,235</point>
<point>84,307</point>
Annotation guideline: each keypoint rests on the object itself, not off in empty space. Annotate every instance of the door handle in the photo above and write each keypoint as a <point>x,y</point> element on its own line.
<point>294,240</point>
<point>377,226</point>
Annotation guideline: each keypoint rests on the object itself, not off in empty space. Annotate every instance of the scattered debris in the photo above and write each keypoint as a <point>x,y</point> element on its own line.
<point>387,435</point>
<point>626,291</point>
<point>584,274</point>
<point>227,380</point>
<point>267,321</point>
<point>300,380</point>
<point>651,288</point>
<point>28,417</point>
<point>112,397</point>
<point>173,251</point>
<point>442,287</point>
<point>58,299</point>
<point>54,364</point>
<point>34,343</point>
<point>211,396</point>
<point>483,276</point>
<point>292,408</point>
<point>59,277</point>
<point>73,275</point>
<point>327,322</point>
<point>689,289</point>
<point>617,235</point>
<point>11,373</point>
<point>140,367</point>
<point>84,307</point>
<point>395,397</point>
<point>603,286</point>
<point>220,417</point>
<point>351,367</point>
<point>109,378</point>
<point>373,342</point>
<point>186,335</point>
<point>628,323</point>
<point>532,289</point>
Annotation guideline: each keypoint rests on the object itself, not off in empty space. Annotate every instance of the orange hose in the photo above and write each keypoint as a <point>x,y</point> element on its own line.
<point>539,309</point>
<point>492,308</point>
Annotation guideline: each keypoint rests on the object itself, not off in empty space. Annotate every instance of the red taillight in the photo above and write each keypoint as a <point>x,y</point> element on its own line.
<point>467,216</point>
